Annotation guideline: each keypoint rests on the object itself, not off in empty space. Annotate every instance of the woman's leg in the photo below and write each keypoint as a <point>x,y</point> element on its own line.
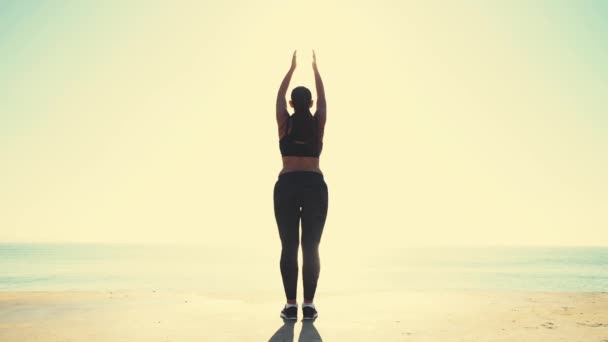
<point>314,213</point>
<point>287,215</point>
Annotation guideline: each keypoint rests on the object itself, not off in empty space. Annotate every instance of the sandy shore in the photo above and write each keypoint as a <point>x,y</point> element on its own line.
<point>386,316</point>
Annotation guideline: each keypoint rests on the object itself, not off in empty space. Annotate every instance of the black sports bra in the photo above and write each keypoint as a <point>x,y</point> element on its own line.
<point>291,147</point>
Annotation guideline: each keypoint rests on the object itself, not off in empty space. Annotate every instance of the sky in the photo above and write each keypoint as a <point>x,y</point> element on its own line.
<point>450,123</point>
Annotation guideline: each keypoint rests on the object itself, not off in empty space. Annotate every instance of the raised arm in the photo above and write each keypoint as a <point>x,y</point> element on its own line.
<point>282,114</point>
<point>321,113</point>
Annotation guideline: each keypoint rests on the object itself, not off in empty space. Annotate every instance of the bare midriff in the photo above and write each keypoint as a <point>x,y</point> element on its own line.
<point>294,163</point>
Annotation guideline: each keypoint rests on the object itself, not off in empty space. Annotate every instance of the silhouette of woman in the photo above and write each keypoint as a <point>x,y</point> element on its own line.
<point>300,193</point>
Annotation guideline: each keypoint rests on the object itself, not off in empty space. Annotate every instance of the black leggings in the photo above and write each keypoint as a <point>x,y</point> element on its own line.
<point>300,195</point>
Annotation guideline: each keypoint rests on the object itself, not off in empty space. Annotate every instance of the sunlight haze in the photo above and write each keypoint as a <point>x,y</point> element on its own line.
<point>480,123</point>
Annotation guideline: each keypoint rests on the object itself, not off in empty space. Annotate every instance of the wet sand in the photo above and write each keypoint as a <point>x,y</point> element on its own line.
<point>382,316</point>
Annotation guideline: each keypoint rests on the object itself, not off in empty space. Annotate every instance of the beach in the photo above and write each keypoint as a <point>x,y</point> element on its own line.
<point>457,151</point>
<point>98,293</point>
<point>372,316</point>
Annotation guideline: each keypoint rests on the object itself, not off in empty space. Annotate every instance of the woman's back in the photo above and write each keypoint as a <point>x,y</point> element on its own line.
<point>301,134</point>
<point>300,146</point>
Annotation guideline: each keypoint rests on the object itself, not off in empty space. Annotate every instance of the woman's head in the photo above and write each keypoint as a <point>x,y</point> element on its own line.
<point>301,99</point>
<point>304,123</point>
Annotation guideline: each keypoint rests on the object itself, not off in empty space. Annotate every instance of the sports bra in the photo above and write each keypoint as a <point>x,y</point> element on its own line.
<point>291,147</point>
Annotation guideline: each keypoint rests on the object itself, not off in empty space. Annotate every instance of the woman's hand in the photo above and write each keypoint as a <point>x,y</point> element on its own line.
<point>321,104</point>
<point>282,114</point>
<point>293,60</point>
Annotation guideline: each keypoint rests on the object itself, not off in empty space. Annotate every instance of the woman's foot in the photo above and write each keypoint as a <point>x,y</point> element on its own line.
<point>290,311</point>
<point>309,311</point>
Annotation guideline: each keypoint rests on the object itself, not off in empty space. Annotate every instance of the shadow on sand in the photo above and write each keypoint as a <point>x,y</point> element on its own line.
<point>285,333</point>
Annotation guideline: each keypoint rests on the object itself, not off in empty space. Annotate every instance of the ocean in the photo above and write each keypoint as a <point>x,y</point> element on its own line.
<point>106,267</point>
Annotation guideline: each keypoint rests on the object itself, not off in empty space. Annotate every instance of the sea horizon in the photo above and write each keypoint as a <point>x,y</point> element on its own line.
<point>68,266</point>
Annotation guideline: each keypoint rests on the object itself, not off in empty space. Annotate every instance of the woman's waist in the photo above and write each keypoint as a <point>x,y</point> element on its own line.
<point>301,177</point>
<point>303,164</point>
<point>300,162</point>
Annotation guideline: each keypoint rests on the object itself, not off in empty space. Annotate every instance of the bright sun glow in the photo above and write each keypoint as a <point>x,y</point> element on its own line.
<point>446,124</point>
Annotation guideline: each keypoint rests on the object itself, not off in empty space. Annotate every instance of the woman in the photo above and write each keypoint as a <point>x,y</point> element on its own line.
<point>300,193</point>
